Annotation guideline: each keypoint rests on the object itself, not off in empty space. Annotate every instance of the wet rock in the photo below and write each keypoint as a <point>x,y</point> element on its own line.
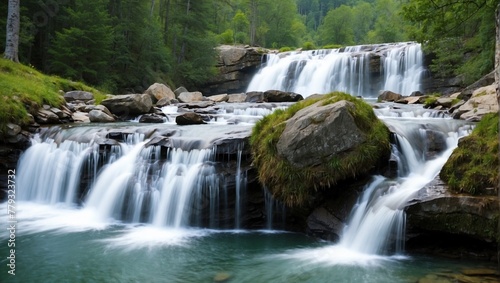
<point>78,95</point>
<point>388,95</point>
<point>416,93</point>
<point>483,101</point>
<point>308,140</point>
<point>446,102</point>
<point>281,96</point>
<point>188,97</point>
<point>151,118</point>
<point>189,118</point>
<point>98,116</point>
<point>12,130</point>
<point>196,105</point>
<point>159,91</point>
<point>129,104</point>
<point>412,99</point>
<point>222,277</point>
<point>255,97</point>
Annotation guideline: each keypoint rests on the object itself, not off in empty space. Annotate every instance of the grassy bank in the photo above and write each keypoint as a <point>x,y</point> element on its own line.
<point>474,165</point>
<point>295,186</point>
<point>24,90</point>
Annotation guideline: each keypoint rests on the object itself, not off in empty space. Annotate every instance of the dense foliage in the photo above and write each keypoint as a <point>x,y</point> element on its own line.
<point>125,45</point>
<point>295,186</point>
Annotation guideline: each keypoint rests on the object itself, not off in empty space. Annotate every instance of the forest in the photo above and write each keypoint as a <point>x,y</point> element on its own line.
<point>126,45</point>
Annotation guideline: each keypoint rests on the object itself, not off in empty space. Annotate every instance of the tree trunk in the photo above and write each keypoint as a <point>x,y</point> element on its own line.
<point>497,81</point>
<point>12,39</point>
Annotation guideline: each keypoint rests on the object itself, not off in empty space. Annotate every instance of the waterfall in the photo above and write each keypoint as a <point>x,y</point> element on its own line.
<point>377,222</point>
<point>135,183</point>
<point>359,70</point>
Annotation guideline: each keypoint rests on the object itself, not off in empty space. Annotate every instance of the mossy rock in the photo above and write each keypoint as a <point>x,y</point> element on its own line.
<point>473,166</point>
<point>297,185</point>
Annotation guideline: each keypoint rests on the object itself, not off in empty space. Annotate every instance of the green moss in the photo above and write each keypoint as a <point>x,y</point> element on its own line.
<point>285,49</point>
<point>295,186</point>
<point>474,164</point>
<point>431,99</point>
<point>332,46</point>
<point>24,90</point>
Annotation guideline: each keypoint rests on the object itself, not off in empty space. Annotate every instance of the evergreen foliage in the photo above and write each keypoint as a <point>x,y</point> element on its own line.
<point>126,45</point>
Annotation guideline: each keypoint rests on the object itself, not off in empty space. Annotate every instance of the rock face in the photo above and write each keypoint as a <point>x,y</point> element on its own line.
<point>437,213</point>
<point>236,67</point>
<point>317,132</point>
<point>129,104</point>
<point>159,91</point>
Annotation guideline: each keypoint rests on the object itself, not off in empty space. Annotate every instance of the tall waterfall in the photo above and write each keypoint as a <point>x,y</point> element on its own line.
<point>360,70</point>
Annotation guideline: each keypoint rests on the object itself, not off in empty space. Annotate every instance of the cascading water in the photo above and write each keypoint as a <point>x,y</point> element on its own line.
<point>359,70</point>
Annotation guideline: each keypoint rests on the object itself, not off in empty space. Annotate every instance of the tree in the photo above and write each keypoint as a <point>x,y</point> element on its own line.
<point>337,27</point>
<point>12,36</point>
<point>82,50</point>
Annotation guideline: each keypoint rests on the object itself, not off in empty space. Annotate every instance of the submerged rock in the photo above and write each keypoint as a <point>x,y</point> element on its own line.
<point>189,118</point>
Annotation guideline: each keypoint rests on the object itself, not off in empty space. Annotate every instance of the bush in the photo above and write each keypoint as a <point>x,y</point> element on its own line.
<point>308,46</point>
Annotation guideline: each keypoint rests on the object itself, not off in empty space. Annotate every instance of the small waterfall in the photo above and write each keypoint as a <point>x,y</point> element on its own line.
<point>358,70</point>
<point>275,211</point>
<point>377,222</point>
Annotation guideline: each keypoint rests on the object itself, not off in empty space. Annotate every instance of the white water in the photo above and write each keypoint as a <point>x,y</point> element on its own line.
<point>347,70</point>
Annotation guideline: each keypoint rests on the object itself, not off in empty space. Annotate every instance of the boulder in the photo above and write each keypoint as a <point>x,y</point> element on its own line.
<point>189,118</point>
<point>12,130</point>
<point>98,116</point>
<point>446,102</point>
<point>129,104</point>
<point>236,98</point>
<point>81,117</point>
<point>180,90</point>
<point>188,97</point>
<point>219,98</point>
<point>44,116</point>
<point>317,133</point>
<point>78,95</point>
<point>163,102</point>
<point>483,101</point>
<point>412,99</point>
<point>151,118</point>
<point>158,91</point>
<point>388,95</point>
<point>255,97</point>
<point>282,96</point>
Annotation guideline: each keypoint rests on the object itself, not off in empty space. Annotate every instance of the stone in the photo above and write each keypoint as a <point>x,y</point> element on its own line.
<point>282,96</point>
<point>196,105</point>
<point>255,97</point>
<point>236,98</point>
<point>129,104</point>
<point>219,98</point>
<point>416,93</point>
<point>163,102</point>
<point>98,116</point>
<point>78,95</point>
<point>151,118</point>
<point>12,130</point>
<point>412,99</point>
<point>388,95</point>
<point>189,118</point>
<point>180,90</point>
<point>81,117</point>
<point>188,97</point>
<point>58,112</point>
<point>46,117</point>
<point>222,277</point>
<point>446,102</point>
<point>483,101</point>
<point>317,133</point>
<point>158,91</point>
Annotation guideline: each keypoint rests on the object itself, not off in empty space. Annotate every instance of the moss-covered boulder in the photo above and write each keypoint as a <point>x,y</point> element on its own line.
<point>316,143</point>
<point>473,166</point>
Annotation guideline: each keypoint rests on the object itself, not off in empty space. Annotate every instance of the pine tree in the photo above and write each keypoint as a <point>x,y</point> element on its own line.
<point>82,50</point>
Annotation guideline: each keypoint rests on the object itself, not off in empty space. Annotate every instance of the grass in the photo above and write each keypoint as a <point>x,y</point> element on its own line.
<point>296,186</point>
<point>24,90</point>
<point>474,164</point>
